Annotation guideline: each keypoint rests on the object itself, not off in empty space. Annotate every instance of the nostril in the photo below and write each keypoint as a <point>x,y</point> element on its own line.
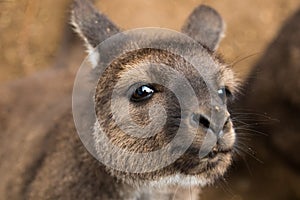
<point>226,123</point>
<point>204,121</point>
<point>201,120</point>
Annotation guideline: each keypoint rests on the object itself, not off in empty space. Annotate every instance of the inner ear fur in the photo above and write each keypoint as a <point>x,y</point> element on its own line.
<point>206,26</point>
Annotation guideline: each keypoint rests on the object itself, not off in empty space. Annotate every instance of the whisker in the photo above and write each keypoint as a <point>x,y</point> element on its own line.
<point>253,114</point>
<point>245,161</point>
<point>249,125</point>
<point>174,195</point>
<point>250,153</point>
<point>242,156</point>
<point>244,124</point>
<point>252,131</point>
<point>225,186</point>
<point>247,165</point>
<point>243,109</point>
<point>238,60</point>
<point>191,196</point>
<point>242,144</point>
<point>244,138</point>
<point>246,116</point>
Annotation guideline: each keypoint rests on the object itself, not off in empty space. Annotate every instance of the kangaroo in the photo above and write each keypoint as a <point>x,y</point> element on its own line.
<point>56,164</point>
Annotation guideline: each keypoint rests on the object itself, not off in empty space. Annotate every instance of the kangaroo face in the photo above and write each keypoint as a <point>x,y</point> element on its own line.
<point>154,102</point>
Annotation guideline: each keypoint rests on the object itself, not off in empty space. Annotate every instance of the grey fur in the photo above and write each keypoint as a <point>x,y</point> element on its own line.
<point>206,26</point>
<point>48,160</point>
<point>93,26</point>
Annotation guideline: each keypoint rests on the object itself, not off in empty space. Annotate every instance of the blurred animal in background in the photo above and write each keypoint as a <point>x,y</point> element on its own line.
<point>270,109</point>
<point>274,88</point>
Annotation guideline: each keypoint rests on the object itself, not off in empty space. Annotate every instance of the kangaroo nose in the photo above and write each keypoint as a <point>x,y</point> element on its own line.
<point>202,120</point>
<point>206,122</point>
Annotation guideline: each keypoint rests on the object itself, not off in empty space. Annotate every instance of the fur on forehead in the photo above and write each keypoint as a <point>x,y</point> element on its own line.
<point>228,79</point>
<point>137,64</point>
<point>128,69</point>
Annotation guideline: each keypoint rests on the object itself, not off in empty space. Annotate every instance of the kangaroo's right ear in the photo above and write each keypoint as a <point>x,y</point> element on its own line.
<point>206,26</point>
<point>90,24</point>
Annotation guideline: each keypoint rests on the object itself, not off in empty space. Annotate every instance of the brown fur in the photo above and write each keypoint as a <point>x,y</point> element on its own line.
<point>140,113</point>
<point>48,161</point>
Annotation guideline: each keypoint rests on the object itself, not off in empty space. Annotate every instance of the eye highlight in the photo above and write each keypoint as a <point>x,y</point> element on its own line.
<point>224,93</point>
<point>142,93</point>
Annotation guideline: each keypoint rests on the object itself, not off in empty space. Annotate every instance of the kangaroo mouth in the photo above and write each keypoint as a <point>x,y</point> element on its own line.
<point>214,153</point>
<point>215,163</point>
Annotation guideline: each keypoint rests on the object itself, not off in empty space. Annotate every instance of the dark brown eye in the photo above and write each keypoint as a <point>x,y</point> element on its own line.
<point>224,93</point>
<point>228,93</point>
<point>142,93</point>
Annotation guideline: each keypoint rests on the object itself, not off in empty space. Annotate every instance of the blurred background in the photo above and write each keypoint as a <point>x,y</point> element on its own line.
<point>32,31</point>
<point>34,36</point>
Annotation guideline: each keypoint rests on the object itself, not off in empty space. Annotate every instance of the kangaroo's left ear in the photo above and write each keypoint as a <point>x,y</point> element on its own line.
<point>206,26</point>
<point>92,26</point>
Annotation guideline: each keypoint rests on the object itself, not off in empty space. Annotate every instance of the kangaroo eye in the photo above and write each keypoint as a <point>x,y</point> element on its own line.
<point>142,93</point>
<point>224,93</point>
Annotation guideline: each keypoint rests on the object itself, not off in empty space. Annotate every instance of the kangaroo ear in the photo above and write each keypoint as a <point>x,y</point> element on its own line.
<point>206,26</point>
<point>90,24</point>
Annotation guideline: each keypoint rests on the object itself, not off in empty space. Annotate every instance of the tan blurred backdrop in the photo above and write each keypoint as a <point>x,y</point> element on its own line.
<point>31,30</point>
